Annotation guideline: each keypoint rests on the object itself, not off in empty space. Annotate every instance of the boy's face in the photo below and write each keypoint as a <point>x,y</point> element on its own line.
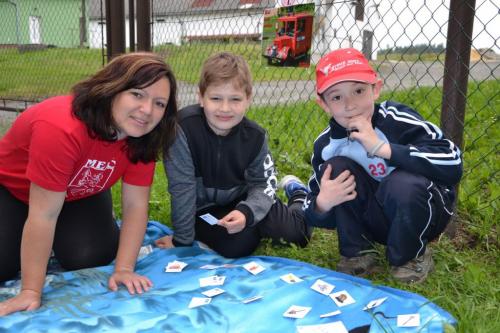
<point>349,100</point>
<point>225,106</point>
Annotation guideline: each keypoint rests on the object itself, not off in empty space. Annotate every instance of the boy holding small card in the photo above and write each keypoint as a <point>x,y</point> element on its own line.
<point>381,173</point>
<point>221,175</point>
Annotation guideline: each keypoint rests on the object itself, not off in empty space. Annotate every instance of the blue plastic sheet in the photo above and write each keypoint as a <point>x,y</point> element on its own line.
<point>79,301</point>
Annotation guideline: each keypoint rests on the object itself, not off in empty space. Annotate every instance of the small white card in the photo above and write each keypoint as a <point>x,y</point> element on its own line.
<point>198,301</point>
<point>175,266</point>
<point>330,314</point>
<point>252,299</point>
<point>144,251</point>
<point>290,278</point>
<point>342,298</point>
<point>374,303</point>
<point>409,320</point>
<point>210,266</point>
<point>209,218</point>
<point>322,287</point>
<point>213,292</point>
<point>253,267</point>
<point>335,327</point>
<point>214,280</point>
<point>296,311</point>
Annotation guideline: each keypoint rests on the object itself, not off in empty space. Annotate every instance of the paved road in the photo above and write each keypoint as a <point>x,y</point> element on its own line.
<point>396,76</point>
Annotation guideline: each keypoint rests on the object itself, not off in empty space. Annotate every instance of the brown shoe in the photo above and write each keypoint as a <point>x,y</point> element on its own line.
<point>358,266</point>
<point>416,270</point>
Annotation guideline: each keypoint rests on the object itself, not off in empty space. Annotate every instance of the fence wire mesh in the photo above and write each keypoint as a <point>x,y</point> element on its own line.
<point>47,46</point>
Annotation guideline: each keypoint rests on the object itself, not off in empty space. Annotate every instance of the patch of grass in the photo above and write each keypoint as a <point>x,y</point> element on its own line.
<point>187,60</point>
<point>39,74</point>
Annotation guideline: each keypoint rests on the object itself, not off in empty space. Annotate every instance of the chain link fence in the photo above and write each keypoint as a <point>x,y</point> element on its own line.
<point>47,46</point>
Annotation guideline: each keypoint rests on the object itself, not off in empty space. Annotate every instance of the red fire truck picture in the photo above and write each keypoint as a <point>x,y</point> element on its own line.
<point>293,40</point>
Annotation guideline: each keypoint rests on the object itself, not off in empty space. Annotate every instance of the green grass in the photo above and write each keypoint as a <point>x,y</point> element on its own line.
<point>38,74</point>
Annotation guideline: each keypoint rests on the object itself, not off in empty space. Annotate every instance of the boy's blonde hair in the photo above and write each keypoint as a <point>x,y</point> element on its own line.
<point>223,67</point>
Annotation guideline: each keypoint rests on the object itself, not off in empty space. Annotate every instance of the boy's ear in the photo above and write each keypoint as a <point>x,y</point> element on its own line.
<point>320,102</point>
<point>200,99</point>
<point>377,88</point>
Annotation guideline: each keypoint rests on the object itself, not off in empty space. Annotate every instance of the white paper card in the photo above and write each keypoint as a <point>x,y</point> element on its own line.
<point>296,311</point>
<point>374,303</point>
<point>253,267</point>
<point>214,280</point>
<point>409,320</point>
<point>209,218</point>
<point>342,298</point>
<point>175,266</point>
<point>330,314</point>
<point>290,278</point>
<point>335,327</point>
<point>213,292</point>
<point>252,299</point>
<point>144,251</point>
<point>322,287</point>
<point>198,301</point>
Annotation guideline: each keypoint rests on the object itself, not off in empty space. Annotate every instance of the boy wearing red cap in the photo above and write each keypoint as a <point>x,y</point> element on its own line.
<point>381,173</point>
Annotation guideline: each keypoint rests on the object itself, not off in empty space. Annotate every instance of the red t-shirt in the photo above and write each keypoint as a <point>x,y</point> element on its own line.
<point>48,146</point>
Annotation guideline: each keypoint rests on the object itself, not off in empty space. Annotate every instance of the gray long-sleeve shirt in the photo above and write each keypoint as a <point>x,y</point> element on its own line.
<point>206,169</point>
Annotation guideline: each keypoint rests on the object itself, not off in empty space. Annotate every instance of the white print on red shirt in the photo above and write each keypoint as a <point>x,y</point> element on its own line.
<point>91,178</point>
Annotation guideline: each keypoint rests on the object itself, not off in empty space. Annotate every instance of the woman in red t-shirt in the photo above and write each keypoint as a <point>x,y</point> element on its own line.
<point>58,162</point>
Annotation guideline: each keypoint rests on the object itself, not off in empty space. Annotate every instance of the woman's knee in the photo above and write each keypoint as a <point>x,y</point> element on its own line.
<point>86,257</point>
<point>9,271</point>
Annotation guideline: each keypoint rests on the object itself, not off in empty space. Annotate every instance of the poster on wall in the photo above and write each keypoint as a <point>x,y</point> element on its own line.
<point>287,35</point>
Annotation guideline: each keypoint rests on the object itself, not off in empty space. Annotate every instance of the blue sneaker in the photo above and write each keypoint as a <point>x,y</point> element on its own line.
<point>291,184</point>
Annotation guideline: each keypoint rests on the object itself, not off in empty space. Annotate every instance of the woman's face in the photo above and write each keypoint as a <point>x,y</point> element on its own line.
<point>137,111</point>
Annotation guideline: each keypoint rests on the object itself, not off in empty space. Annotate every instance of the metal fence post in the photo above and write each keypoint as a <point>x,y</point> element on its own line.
<point>456,71</point>
<point>131,24</point>
<point>143,25</point>
<point>115,28</point>
<point>456,75</point>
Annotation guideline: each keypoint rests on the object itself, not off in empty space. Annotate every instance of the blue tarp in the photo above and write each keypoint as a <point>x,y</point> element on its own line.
<point>79,301</point>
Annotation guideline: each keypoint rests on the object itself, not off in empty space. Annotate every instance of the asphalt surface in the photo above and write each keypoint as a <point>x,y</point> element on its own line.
<point>396,76</point>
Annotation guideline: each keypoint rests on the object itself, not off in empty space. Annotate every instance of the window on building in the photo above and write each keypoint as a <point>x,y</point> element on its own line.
<point>359,10</point>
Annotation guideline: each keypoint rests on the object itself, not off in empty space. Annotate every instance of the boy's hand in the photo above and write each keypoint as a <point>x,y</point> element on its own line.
<point>365,133</point>
<point>234,222</point>
<point>165,242</point>
<point>333,192</point>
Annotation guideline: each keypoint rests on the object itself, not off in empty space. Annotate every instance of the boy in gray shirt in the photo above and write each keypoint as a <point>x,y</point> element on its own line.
<point>220,164</point>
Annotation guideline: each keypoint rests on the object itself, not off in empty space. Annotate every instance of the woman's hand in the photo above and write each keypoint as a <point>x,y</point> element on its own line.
<point>165,242</point>
<point>26,300</point>
<point>134,283</point>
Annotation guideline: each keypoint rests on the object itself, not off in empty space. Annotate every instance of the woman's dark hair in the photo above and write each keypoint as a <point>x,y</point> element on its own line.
<point>93,99</point>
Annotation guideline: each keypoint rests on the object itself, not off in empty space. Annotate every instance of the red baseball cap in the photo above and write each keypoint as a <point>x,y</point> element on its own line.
<point>343,65</point>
